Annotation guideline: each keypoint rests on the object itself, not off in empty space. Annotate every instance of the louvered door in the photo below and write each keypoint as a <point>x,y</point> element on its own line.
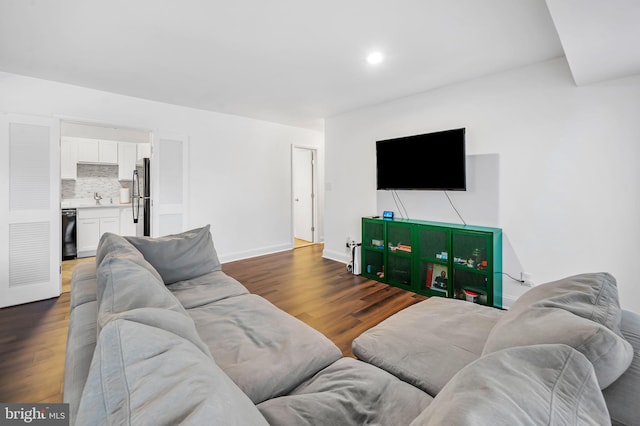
<point>169,184</point>
<point>30,221</point>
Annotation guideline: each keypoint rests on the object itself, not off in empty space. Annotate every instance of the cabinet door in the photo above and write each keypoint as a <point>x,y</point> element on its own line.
<point>108,152</point>
<point>127,227</point>
<point>68,159</point>
<point>109,224</point>
<point>126,160</point>
<point>399,254</point>
<point>472,266</point>
<point>88,235</point>
<point>88,151</point>
<point>433,261</point>
<point>373,249</point>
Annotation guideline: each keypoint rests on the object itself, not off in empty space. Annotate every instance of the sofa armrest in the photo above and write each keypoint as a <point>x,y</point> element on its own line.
<point>81,343</point>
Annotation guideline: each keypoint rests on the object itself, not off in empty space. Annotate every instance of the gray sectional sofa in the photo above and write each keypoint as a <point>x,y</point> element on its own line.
<point>564,354</point>
<point>158,334</point>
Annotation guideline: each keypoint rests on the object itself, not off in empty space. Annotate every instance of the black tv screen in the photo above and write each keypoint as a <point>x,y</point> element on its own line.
<point>432,161</point>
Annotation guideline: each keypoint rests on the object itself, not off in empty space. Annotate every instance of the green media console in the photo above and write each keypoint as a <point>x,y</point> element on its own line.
<point>435,259</point>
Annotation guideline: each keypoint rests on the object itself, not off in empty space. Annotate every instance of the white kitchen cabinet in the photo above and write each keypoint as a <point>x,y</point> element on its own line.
<point>110,224</point>
<point>108,152</point>
<point>127,227</point>
<point>127,154</point>
<point>92,223</point>
<point>68,158</point>
<point>96,151</point>
<point>88,150</point>
<point>88,235</point>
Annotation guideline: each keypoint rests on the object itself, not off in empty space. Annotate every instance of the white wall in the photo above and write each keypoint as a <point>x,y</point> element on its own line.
<point>240,168</point>
<point>568,180</point>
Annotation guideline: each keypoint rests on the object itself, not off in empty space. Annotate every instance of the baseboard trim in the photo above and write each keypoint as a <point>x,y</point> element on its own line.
<point>336,255</point>
<point>507,301</point>
<point>241,255</point>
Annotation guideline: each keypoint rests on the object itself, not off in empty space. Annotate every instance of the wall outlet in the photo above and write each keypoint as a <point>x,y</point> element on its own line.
<point>527,279</point>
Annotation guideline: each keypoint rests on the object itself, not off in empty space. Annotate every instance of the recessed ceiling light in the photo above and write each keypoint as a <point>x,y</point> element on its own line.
<point>374,58</point>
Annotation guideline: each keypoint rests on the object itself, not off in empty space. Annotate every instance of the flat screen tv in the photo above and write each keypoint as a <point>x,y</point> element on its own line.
<point>432,161</point>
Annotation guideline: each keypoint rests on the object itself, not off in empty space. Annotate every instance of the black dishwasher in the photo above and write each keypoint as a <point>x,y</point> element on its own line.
<point>69,250</point>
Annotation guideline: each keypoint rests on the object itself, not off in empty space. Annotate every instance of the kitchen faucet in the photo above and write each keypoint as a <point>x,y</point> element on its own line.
<point>97,197</point>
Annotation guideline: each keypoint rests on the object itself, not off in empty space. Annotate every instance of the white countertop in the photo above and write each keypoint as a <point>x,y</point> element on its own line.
<point>90,203</point>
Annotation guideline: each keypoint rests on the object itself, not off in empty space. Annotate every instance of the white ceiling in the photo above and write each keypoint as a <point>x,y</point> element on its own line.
<point>601,38</point>
<point>288,61</point>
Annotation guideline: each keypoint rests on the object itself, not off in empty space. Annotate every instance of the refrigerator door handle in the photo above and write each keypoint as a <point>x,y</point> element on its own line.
<point>135,197</point>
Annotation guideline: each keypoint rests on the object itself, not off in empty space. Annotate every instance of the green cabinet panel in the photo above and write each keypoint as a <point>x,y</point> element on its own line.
<point>435,259</point>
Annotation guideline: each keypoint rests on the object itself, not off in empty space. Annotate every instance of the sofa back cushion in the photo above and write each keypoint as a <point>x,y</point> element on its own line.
<point>125,287</point>
<point>145,375</point>
<point>112,244</point>
<point>122,285</point>
<point>180,257</point>
<point>530,385</point>
<point>580,311</point>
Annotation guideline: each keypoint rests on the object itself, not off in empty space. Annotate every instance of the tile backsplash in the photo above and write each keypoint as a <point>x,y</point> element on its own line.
<point>102,179</point>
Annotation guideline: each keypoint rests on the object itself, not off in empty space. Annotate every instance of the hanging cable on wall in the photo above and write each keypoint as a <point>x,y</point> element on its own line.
<point>393,194</point>
<point>454,208</point>
<point>396,199</point>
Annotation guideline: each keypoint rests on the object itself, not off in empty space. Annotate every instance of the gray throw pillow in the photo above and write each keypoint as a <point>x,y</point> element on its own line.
<point>180,257</point>
<point>581,311</point>
<point>529,385</point>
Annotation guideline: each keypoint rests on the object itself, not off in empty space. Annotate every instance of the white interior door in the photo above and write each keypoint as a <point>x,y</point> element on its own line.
<point>30,220</point>
<point>303,194</point>
<point>169,184</point>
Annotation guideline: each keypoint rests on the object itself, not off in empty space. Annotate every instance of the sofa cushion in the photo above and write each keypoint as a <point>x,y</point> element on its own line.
<point>112,244</point>
<point>427,343</point>
<point>348,392</point>
<point>581,311</point>
<point>123,285</point>
<point>83,284</point>
<point>623,395</point>
<point>531,385</point>
<point>205,289</point>
<point>145,375</point>
<point>81,342</point>
<point>125,289</point>
<point>180,257</point>
<point>264,350</point>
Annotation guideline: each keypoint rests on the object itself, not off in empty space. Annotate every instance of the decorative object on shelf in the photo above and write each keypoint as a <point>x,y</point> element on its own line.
<point>470,296</point>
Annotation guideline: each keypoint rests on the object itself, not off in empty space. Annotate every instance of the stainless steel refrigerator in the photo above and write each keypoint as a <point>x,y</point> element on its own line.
<point>141,197</point>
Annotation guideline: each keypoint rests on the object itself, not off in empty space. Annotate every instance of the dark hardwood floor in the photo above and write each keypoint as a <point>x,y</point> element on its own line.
<point>318,291</point>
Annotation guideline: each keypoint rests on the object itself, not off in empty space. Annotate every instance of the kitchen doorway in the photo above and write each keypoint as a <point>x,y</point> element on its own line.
<point>98,163</point>
<point>304,200</point>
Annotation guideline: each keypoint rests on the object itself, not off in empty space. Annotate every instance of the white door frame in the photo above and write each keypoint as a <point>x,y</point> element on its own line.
<point>314,209</point>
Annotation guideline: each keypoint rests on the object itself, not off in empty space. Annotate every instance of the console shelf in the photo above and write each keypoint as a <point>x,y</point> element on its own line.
<point>434,258</point>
